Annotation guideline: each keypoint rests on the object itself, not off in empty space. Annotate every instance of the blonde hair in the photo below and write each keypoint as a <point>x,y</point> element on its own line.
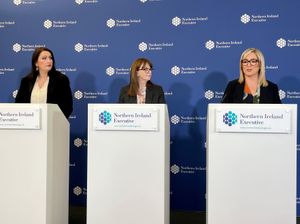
<point>262,81</point>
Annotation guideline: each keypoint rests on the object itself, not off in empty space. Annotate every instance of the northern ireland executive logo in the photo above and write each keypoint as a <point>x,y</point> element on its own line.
<point>105,117</point>
<point>230,118</point>
<point>245,18</point>
<point>281,43</point>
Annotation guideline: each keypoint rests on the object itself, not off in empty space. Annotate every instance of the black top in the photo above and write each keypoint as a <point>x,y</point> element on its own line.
<point>234,93</point>
<point>58,92</point>
<point>154,94</point>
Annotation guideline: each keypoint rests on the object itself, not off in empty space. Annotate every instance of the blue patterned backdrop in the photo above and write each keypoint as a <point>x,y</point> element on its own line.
<point>195,46</point>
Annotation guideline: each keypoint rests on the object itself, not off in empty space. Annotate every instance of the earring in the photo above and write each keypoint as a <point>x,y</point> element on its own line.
<point>37,68</point>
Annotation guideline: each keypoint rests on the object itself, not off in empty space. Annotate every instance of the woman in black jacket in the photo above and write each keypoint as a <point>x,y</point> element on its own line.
<point>44,84</point>
<point>140,89</point>
<point>252,86</point>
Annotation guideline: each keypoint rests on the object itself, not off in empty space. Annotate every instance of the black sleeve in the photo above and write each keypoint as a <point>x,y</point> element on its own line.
<point>22,92</point>
<point>161,96</point>
<point>276,98</point>
<point>65,101</point>
<point>123,92</point>
<point>227,94</point>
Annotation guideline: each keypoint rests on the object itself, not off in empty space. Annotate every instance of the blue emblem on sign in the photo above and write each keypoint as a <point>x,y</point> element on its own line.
<point>230,118</point>
<point>105,117</point>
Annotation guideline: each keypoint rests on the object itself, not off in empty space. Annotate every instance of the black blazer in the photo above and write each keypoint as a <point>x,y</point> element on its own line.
<point>154,94</point>
<point>234,93</point>
<point>59,91</point>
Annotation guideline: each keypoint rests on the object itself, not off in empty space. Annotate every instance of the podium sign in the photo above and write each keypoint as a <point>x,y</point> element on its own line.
<point>249,119</point>
<point>119,118</point>
<point>20,118</point>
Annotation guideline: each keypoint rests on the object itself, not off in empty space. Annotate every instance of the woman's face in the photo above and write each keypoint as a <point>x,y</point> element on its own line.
<point>44,62</point>
<point>250,65</point>
<point>144,73</point>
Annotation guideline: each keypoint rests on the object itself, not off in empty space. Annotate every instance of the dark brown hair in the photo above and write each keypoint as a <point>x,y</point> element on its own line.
<point>35,57</point>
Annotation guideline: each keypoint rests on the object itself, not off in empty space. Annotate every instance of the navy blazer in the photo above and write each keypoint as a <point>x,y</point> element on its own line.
<point>58,92</point>
<point>234,93</point>
<point>154,94</point>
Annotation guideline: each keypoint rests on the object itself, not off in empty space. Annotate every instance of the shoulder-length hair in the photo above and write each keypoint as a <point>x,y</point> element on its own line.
<point>35,57</point>
<point>261,60</point>
<point>134,84</point>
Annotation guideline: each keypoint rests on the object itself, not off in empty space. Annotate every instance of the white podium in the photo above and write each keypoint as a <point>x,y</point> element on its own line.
<point>251,163</point>
<point>128,164</point>
<point>34,164</point>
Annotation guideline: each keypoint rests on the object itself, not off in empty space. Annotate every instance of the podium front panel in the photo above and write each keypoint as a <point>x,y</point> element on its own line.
<point>34,166</point>
<point>251,175</point>
<point>128,169</point>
